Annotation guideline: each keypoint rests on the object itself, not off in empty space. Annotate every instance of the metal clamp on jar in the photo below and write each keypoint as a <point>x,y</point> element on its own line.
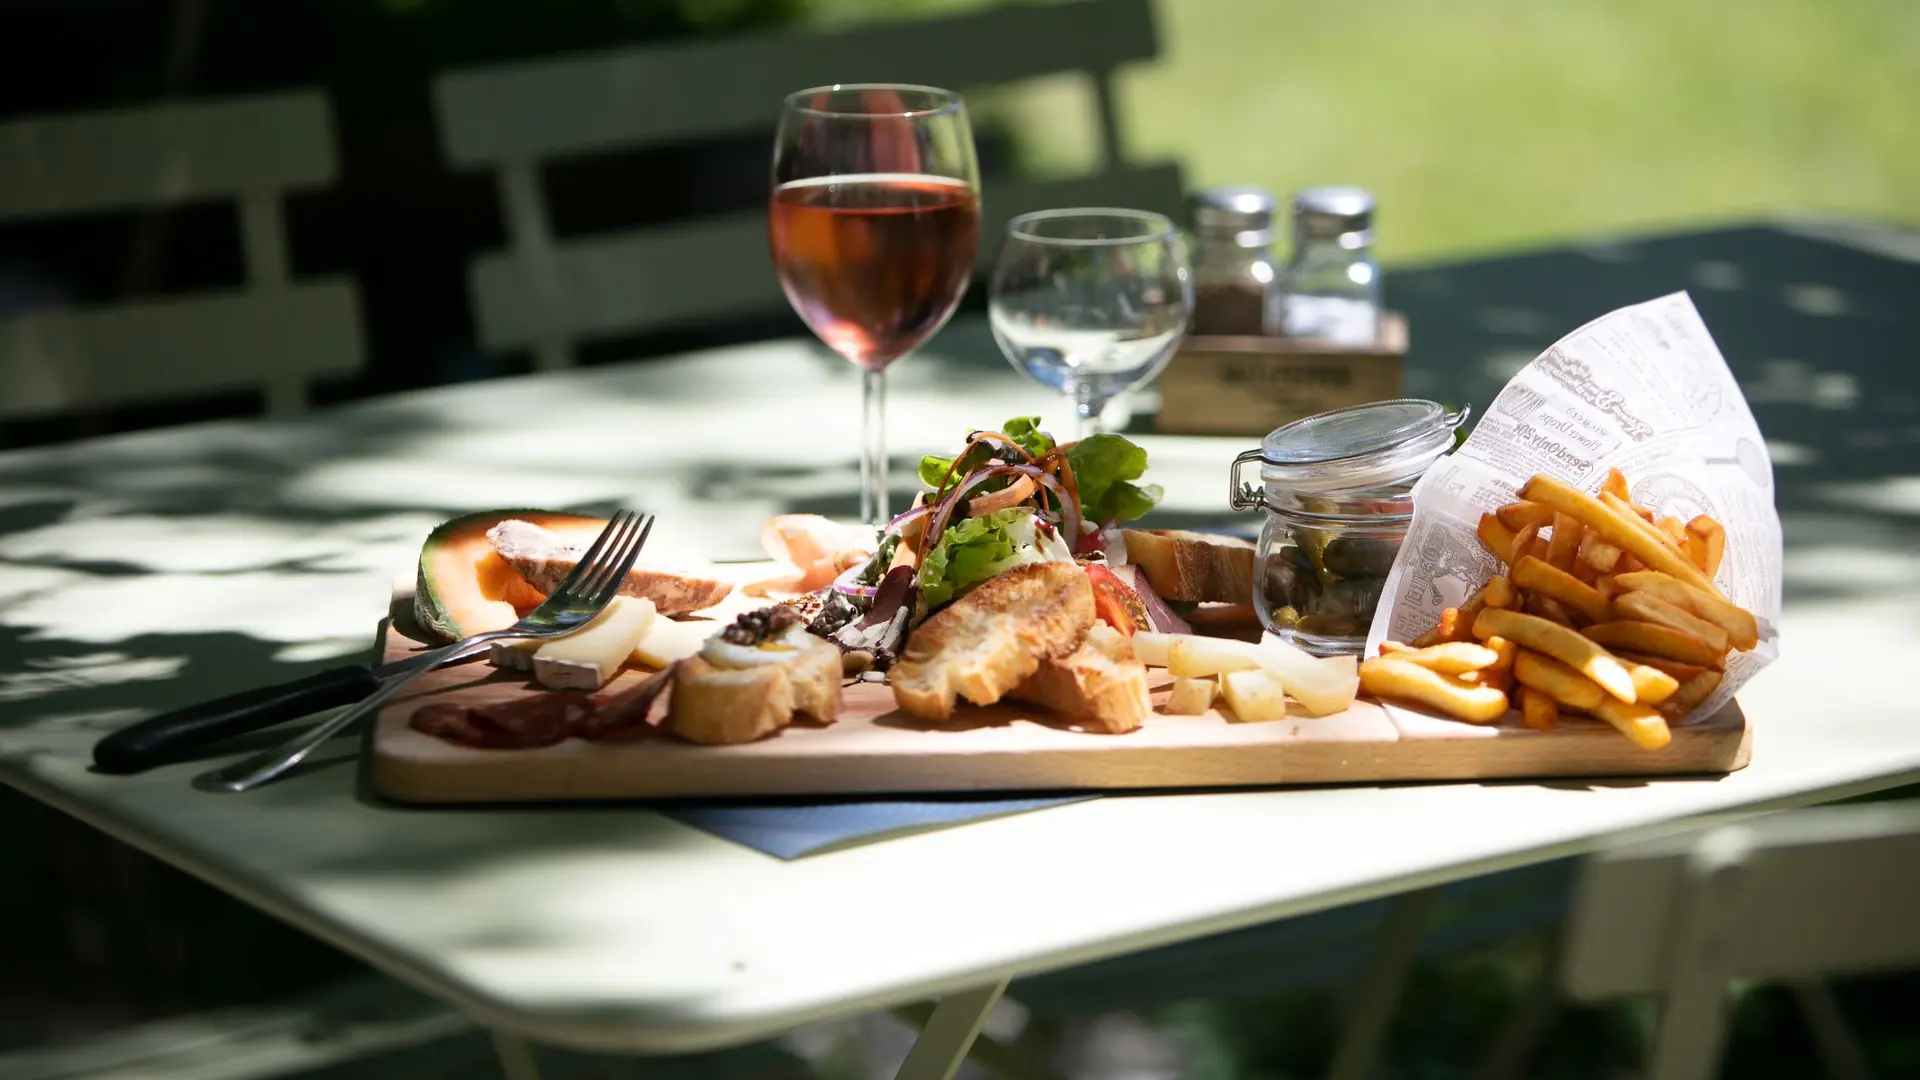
<point>1337,488</point>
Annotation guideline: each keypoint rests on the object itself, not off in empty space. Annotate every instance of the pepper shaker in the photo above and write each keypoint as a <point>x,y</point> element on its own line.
<point>1236,278</point>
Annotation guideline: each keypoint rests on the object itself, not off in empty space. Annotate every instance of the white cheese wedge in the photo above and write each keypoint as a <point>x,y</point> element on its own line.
<point>671,641</point>
<point>514,655</point>
<point>586,658</point>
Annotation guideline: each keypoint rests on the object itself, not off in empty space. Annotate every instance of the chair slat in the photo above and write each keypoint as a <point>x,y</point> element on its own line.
<point>641,97</point>
<point>1816,892</point>
<point>639,281</point>
<point>71,360</point>
<point>164,155</point>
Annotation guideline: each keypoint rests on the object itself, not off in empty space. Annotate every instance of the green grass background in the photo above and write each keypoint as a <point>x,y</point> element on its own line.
<point>1491,124</point>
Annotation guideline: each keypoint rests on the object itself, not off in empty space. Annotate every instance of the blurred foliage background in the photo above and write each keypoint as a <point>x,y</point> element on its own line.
<point>1489,124</point>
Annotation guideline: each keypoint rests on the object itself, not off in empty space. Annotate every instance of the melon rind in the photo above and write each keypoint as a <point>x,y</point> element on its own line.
<point>439,575</point>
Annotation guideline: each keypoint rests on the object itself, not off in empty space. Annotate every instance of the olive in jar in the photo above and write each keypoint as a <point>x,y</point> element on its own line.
<point>1310,596</point>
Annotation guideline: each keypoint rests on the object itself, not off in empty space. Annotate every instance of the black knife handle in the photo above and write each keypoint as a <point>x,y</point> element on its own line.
<point>151,742</point>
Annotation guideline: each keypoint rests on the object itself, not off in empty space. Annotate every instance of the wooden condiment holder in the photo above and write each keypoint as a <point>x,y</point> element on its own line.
<point>1251,385</point>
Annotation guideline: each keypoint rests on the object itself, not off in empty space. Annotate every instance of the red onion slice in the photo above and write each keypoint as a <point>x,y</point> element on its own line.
<point>908,515</point>
<point>1069,513</point>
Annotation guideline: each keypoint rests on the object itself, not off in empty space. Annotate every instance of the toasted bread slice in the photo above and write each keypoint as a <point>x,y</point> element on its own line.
<point>720,705</point>
<point>982,645</point>
<point>1100,684</point>
<point>545,559</point>
<point>1193,567</point>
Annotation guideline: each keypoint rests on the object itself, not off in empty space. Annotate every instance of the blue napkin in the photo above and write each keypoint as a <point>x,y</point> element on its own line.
<point>790,830</point>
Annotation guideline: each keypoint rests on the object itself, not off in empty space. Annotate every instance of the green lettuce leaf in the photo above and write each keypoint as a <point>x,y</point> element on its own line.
<point>971,551</point>
<point>1024,430</point>
<point>1104,467</point>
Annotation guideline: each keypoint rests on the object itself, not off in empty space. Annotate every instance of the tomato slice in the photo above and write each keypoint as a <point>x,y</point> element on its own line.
<point>1117,605</point>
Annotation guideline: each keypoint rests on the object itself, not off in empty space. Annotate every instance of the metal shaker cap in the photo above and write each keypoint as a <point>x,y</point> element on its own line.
<point>1241,213</point>
<point>1326,212</point>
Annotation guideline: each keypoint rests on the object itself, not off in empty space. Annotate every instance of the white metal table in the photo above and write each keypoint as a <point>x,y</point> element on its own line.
<point>143,571</point>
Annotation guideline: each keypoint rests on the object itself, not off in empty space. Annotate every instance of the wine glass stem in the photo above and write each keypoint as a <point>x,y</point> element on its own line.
<point>1086,408</point>
<point>873,453</point>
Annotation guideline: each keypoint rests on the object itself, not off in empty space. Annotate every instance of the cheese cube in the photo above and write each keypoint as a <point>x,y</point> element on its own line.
<point>669,641</point>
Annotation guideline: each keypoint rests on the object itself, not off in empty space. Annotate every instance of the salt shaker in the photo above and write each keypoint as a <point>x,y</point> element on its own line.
<point>1236,278</point>
<point>1332,283</point>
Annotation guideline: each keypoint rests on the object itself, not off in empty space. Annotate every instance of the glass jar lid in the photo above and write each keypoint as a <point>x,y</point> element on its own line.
<point>1358,447</point>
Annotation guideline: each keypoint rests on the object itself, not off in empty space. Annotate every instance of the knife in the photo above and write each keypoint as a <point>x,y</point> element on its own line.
<point>157,740</point>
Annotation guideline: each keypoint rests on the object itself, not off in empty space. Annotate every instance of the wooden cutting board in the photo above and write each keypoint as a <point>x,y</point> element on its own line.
<point>875,749</point>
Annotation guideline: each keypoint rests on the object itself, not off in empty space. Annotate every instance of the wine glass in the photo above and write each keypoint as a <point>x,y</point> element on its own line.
<point>874,223</point>
<point>1090,302</point>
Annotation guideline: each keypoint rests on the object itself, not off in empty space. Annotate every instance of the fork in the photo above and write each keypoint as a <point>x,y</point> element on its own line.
<point>586,592</point>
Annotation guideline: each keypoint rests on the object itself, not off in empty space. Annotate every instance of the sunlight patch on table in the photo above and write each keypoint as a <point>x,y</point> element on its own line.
<point>218,544</point>
<point>281,607</point>
<point>1893,495</point>
<point>87,671</point>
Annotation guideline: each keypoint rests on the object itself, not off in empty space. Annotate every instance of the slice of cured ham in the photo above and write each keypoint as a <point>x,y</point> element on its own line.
<point>544,559</point>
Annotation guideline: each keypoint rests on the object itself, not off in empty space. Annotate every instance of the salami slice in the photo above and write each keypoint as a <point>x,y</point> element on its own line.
<point>626,716</point>
<point>536,721</point>
<point>455,723</point>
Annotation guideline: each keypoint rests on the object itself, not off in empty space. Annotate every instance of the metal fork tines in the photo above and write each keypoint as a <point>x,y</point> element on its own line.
<point>585,592</point>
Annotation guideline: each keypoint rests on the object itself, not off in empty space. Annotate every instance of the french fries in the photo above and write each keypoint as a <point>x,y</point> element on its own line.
<point>1537,710</point>
<point>1623,529</point>
<point>1519,515</point>
<point>1738,623</point>
<point>1495,536</point>
<point>1500,593</point>
<point>1639,517</point>
<point>1651,686</point>
<point>1450,657</point>
<point>1706,543</point>
<point>1548,580</point>
<point>1608,609</point>
<point>1556,680</point>
<point>1565,543</point>
<point>1694,691</point>
<point>1646,607</point>
<point>1563,644</point>
<point>1392,677</point>
<point>1524,540</point>
<point>1638,722</point>
<point>1500,674</point>
<point>1675,668</point>
<point>1646,637</point>
<point>1600,555</point>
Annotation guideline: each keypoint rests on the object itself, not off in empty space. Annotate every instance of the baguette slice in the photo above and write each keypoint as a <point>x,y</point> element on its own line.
<point>544,559</point>
<point>1100,684</point>
<point>982,645</point>
<point>1193,567</point>
<point>717,706</point>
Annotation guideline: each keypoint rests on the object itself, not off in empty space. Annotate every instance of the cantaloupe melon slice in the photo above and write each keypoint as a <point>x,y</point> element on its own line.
<point>465,588</point>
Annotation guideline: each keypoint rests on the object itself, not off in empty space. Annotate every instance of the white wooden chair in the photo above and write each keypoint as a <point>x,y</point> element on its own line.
<point>543,293</point>
<point>267,332</point>
<point>1788,898</point>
